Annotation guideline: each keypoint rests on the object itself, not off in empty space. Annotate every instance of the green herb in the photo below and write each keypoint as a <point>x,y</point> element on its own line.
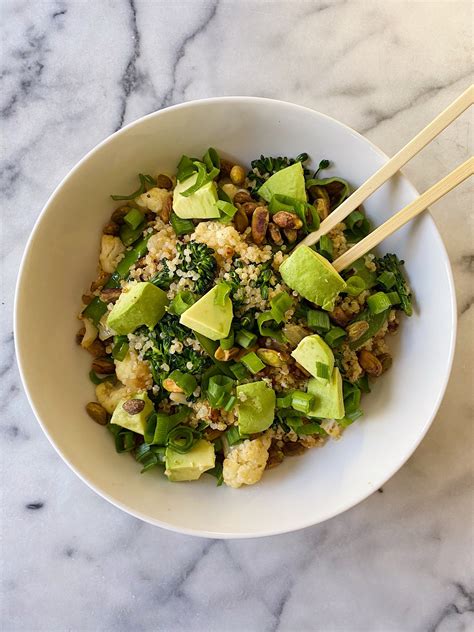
<point>391,263</point>
<point>202,262</point>
<point>324,164</point>
<point>145,182</point>
<point>263,279</point>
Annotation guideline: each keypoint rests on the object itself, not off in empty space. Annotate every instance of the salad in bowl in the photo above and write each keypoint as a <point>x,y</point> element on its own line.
<point>219,344</point>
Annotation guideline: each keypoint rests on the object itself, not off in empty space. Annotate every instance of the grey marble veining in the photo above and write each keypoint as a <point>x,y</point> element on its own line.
<point>71,73</point>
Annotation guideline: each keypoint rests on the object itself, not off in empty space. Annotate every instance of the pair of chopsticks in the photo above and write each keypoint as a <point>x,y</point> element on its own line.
<point>410,211</point>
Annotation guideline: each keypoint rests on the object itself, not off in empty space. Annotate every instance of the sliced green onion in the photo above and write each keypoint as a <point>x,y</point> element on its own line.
<point>306,212</point>
<point>279,305</point>
<point>363,383</point>
<point>245,338</point>
<point>394,298</point>
<point>133,218</point>
<point>124,438</point>
<point>378,302</point>
<point>158,425</point>
<point>301,401</point>
<point>325,247</point>
<point>128,235</point>
<point>206,376</point>
<point>210,347</point>
<point>239,371</point>
<point>200,180</point>
<point>144,181</point>
<point>120,348</point>
<point>211,160</point>
<point>149,456</point>
<point>186,168</point>
<point>311,428</point>
<point>223,291</point>
<point>252,362</point>
<point>358,225</point>
<point>182,438</point>
<point>222,195</point>
<point>317,320</point>
<point>322,370</point>
<point>349,419</point>
<point>335,336</point>
<point>95,310</point>
<point>355,285</point>
<point>219,390</point>
<point>351,398</point>
<point>284,401</point>
<point>387,279</point>
<point>181,226</point>
<point>230,403</point>
<point>185,381</point>
<point>227,209</point>
<point>95,379</point>
<point>369,276</point>
<point>217,472</point>
<point>267,317</point>
<point>233,436</point>
<point>181,302</point>
<point>228,342</point>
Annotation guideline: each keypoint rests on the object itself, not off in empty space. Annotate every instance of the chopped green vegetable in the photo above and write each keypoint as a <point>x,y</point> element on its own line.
<point>391,263</point>
<point>95,310</point>
<point>158,425</point>
<point>355,285</point>
<point>358,226</point>
<point>228,342</point>
<point>279,305</point>
<point>335,336</point>
<point>181,302</point>
<point>317,320</point>
<point>252,362</point>
<point>222,292</point>
<point>239,371</point>
<point>133,218</point>
<point>245,338</point>
<point>322,371</point>
<point>325,247</point>
<point>301,401</point>
<point>394,298</point>
<point>130,235</point>
<point>376,321</point>
<point>337,188</point>
<point>185,381</point>
<point>120,348</point>
<point>182,438</point>
<point>181,226</point>
<point>386,279</point>
<point>378,302</point>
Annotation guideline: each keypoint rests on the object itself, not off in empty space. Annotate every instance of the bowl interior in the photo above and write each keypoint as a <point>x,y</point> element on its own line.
<point>60,262</point>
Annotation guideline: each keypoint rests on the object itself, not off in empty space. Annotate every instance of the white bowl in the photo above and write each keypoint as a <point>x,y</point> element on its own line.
<point>60,260</point>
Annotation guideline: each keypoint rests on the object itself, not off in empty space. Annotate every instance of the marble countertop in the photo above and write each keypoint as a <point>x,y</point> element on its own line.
<point>71,74</point>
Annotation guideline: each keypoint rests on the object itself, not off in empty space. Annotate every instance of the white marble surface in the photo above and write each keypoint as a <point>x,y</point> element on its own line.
<point>71,74</point>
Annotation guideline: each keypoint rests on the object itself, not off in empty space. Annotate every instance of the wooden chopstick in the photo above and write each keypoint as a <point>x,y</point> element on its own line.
<point>410,211</point>
<point>393,165</point>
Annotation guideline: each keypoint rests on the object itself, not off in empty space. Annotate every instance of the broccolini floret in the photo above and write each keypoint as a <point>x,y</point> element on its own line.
<point>201,261</point>
<point>391,263</point>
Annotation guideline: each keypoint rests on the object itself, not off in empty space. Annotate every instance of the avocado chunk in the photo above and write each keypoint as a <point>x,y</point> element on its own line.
<point>142,304</point>
<point>199,205</point>
<point>132,421</point>
<point>328,397</point>
<point>208,318</point>
<point>190,466</point>
<point>256,407</point>
<point>312,276</point>
<point>289,181</point>
<point>310,351</point>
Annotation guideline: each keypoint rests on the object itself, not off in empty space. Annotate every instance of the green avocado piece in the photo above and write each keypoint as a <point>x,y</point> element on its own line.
<point>256,407</point>
<point>310,351</point>
<point>190,466</point>
<point>328,397</point>
<point>208,318</point>
<point>141,304</point>
<point>312,276</point>
<point>199,205</point>
<point>136,422</point>
<point>289,181</point>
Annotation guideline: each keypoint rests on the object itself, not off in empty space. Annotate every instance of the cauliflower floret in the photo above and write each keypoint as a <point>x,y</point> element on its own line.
<point>111,250</point>
<point>154,199</point>
<point>109,395</point>
<point>244,465</point>
<point>133,372</point>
